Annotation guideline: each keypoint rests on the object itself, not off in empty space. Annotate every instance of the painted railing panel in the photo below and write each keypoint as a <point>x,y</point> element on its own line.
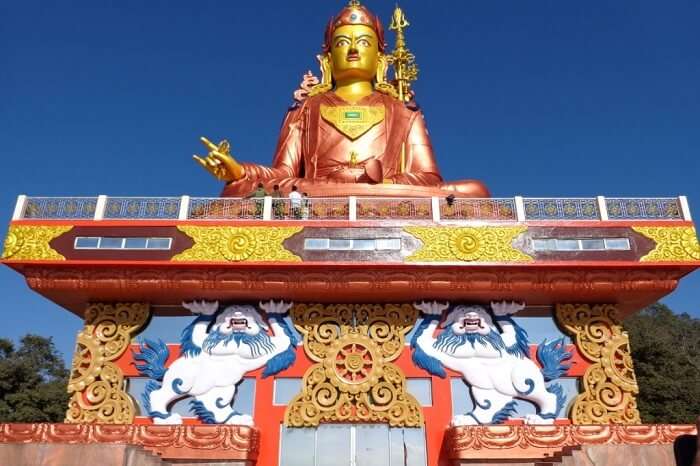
<point>59,208</point>
<point>222,208</point>
<point>142,208</point>
<point>644,208</point>
<point>351,208</point>
<point>478,209</point>
<point>394,208</point>
<point>561,209</point>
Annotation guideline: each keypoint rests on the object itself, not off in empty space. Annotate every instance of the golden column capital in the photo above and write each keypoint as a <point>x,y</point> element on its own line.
<point>609,384</point>
<point>96,384</point>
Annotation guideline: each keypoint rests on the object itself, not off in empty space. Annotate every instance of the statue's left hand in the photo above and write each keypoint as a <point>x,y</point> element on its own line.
<point>219,161</point>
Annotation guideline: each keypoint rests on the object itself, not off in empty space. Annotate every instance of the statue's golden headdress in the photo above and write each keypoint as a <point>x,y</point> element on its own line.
<point>354,13</point>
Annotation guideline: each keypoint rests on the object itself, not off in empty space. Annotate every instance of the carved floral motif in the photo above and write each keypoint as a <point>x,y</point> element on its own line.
<point>354,379</point>
<point>31,242</point>
<point>96,383</point>
<point>484,244</point>
<point>609,384</point>
<point>237,244</point>
<point>672,243</point>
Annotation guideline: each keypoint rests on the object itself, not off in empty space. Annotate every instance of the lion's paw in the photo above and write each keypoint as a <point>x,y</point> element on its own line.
<point>240,420</point>
<point>172,419</point>
<point>464,420</point>
<point>431,308</point>
<point>535,419</point>
<point>505,308</point>
<point>273,308</point>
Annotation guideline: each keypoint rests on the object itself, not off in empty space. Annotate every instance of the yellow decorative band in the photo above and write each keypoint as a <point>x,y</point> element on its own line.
<point>470,244</point>
<point>31,242</point>
<point>353,120</point>
<point>238,244</point>
<point>672,244</point>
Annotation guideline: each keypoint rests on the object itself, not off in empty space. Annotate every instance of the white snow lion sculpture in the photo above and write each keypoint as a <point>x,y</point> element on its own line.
<point>493,359</point>
<point>216,350</point>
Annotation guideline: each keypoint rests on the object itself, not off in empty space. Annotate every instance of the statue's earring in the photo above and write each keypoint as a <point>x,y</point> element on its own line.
<point>326,84</point>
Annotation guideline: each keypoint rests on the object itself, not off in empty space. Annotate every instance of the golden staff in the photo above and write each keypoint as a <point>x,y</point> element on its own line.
<point>404,62</point>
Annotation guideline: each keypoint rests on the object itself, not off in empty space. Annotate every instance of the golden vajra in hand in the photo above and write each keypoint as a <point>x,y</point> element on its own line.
<point>219,161</point>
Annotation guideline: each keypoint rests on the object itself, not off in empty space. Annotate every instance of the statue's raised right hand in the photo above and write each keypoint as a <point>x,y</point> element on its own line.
<point>219,161</point>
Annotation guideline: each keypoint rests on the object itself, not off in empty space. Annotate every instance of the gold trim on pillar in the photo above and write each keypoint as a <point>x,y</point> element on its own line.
<point>31,242</point>
<point>469,244</point>
<point>354,379</point>
<point>97,384</point>
<point>672,244</point>
<point>238,244</point>
<point>609,384</point>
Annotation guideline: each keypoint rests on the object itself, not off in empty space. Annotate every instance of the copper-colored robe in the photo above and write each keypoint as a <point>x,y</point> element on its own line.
<point>315,156</point>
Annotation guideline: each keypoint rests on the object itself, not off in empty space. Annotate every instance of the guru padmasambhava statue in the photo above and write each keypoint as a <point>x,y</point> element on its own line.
<point>352,133</point>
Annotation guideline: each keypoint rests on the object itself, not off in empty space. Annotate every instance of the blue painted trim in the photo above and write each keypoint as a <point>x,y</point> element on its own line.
<point>206,416</point>
<point>150,358</point>
<point>504,413</point>
<point>176,386</point>
<point>530,387</point>
<point>558,391</point>
<point>187,346</point>
<point>221,404</point>
<point>286,358</point>
<point>553,357</point>
<point>486,405</point>
<point>233,413</point>
<point>521,347</point>
<point>420,358</point>
<point>151,386</point>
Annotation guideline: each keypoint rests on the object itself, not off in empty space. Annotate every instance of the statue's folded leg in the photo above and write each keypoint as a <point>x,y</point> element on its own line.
<point>244,187</point>
<point>330,188</point>
<point>467,188</point>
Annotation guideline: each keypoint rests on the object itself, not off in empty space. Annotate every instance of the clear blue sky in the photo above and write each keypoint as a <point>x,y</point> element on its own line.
<point>539,98</point>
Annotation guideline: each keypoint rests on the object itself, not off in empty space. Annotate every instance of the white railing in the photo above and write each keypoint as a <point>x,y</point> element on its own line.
<point>515,209</point>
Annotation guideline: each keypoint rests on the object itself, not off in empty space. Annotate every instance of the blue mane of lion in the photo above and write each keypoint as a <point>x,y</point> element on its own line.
<point>448,341</point>
<point>260,344</point>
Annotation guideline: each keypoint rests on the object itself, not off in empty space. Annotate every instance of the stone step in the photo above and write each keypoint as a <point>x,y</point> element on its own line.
<point>138,456</point>
<point>548,462</point>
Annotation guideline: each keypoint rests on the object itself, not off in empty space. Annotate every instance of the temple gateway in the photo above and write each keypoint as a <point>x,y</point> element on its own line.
<point>347,304</point>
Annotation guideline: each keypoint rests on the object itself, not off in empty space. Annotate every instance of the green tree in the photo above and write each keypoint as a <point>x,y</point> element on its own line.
<point>666,355</point>
<point>33,381</point>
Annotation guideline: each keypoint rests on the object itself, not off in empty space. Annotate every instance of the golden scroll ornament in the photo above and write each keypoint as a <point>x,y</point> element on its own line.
<point>238,244</point>
<point>97,384</point>
<point>31,242</point>
<point>483,244</point>
<point>609,384</point>
<point>672,244</point>
<point>354,379</point>
<point>353,120</point>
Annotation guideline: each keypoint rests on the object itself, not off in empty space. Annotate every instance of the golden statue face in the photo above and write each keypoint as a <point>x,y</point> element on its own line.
<point>354,53</point>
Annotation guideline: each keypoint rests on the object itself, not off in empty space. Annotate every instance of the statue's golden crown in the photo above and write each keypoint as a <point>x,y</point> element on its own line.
<point>354,13</point>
